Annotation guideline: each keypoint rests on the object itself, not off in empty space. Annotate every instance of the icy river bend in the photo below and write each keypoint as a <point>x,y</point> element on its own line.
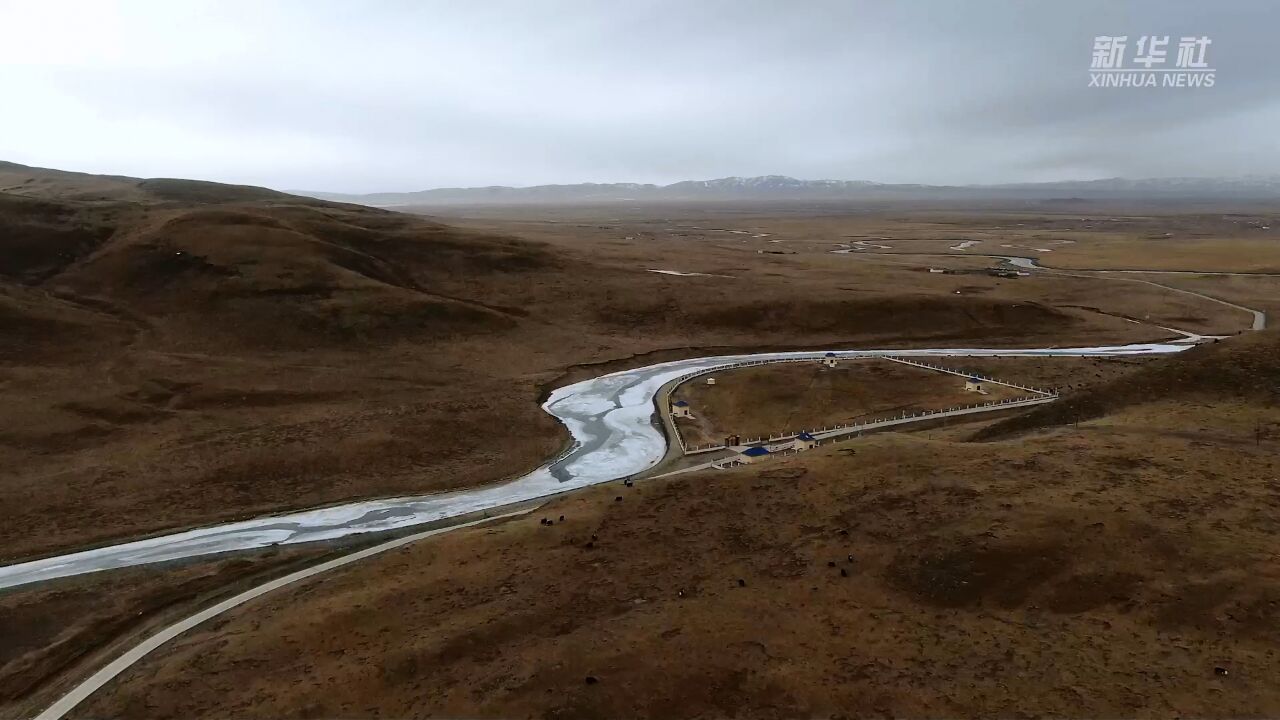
<point>609,417</point>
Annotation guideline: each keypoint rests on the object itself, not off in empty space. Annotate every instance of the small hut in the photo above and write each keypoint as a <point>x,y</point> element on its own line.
<point>973,384</point>
<point>711,381</point>
<point>829,360</point>
<point>804,441</point>
<point>680,409</point>
<point>752,454</point>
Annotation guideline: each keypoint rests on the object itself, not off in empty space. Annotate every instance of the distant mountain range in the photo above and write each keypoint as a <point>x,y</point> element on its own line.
<point>783,188</point>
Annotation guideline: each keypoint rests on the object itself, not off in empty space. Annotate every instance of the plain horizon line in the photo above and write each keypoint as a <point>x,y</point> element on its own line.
<point>1274,177</point>
<point>791,177</point>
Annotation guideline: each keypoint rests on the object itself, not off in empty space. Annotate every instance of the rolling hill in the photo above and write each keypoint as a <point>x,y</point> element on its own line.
<point>178,352</point>
<point>1241,370</point>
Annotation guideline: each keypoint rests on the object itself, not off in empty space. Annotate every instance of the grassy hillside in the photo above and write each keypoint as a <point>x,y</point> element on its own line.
<point>177,352</point>
<point>892,576</point>
<point>282,276</point>
<point>1241,369</point>
<point>26,181</point>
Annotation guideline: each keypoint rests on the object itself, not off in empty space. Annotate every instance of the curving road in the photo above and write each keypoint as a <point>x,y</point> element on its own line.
<point>111,670</point>
<point>611,419</point>
<point>1030,263</point>
<point>1259,317</point>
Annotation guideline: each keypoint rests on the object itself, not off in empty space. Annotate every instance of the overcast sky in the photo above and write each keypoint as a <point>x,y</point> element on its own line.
<point>370,96</point>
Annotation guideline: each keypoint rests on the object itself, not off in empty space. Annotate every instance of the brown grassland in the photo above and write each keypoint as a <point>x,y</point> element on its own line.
<point>175,353</point>
<point>1104,568</point>
<point>777,399</point>
<point>171,359</point>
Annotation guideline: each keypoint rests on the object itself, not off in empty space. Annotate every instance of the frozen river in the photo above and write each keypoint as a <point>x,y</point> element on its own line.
<point>609,417</point>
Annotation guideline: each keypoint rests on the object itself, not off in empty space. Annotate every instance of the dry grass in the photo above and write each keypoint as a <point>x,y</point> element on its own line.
<point>1260,292</point>
<point>1239,254</point>
<point>163,441</point>
<point>198,361</point>
<point>1081,573</point>
<point>773,399</point>
<point>1051,372</point>
<point>57,631</point>
<point>693,238</point>
<point>177,353</point>
<point>1244,369</point>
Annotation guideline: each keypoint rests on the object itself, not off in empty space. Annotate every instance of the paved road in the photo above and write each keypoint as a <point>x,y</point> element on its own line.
<point>834,433</point>
<point>1030,263</point>
<point>106,674</point>
<point>1259,317</point>
<point>610,418</point>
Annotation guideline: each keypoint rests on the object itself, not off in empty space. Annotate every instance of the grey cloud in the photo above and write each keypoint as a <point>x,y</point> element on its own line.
<point>404,95</point>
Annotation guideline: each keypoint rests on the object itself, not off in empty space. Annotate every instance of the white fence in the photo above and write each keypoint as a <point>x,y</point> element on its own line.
<point>828,432</point>
<point>712,447</point>
<point>961,373</point>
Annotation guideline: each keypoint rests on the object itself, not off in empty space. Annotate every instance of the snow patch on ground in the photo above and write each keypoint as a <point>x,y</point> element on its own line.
<point>856,245</point>
<point>1022,262</point>
<point>685,274</point>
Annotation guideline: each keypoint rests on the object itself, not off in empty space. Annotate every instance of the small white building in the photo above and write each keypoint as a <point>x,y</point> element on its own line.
<point>973,384</point>
<point>829,360</point>
<point>711,381</point>
<point>680,409</point>
<point>752,454</point>
<point>804,441</point>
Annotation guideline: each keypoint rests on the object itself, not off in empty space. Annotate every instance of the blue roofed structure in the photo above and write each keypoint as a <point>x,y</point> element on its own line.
<point>804,436</point>
<point>755,452</point>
